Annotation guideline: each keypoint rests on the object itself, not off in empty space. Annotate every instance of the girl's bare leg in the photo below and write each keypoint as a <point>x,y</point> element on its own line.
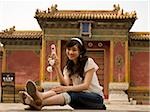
<point>57,99</point>
<point>46,94</point>
<point>35,94</point>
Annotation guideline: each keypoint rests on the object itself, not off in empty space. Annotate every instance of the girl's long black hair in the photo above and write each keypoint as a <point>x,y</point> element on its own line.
<point>77,68</point>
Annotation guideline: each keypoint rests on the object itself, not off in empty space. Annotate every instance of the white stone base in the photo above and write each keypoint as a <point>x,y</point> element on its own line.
<point>120,98</point>
<point>117,94</point>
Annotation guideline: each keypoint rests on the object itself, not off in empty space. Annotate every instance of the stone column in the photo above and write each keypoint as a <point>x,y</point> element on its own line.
<point>1,57</point>
<point>119,72</point>
<point>2,62</point>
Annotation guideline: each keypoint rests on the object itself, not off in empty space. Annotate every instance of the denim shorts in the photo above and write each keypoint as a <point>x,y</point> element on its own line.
<point>85,100</point>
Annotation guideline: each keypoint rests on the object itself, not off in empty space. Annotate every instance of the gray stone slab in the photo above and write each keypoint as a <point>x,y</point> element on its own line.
<point>18,107</point>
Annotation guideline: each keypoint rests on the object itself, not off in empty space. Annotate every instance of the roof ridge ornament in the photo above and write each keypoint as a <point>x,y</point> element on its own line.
<point>10,30</point>
<point>121,12</point>
<point>52,9</point>
<point>116,7</point>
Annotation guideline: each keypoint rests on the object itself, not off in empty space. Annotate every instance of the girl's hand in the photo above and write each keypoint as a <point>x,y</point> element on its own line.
<point>55,58</point>
<point>60,89</point>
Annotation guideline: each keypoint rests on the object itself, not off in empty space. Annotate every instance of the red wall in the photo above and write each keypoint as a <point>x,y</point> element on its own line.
<point>139,73</point>
<point>25,65</point>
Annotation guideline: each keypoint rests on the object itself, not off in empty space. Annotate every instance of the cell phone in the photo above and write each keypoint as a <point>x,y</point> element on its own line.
<point>53,49</point>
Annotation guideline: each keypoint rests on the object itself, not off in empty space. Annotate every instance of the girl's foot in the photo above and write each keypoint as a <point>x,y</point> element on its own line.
<point>23,97</point>
<point>33,92</point>
<point>32,106</point>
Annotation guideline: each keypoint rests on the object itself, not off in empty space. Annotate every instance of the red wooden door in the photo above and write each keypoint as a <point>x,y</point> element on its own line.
<point>98,57</point>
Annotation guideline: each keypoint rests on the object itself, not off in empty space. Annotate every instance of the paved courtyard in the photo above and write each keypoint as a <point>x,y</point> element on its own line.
<point>18,107</point>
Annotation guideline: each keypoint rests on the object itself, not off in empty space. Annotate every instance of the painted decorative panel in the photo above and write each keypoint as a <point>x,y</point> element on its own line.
<point>49,76</point>
<point>119,61</point>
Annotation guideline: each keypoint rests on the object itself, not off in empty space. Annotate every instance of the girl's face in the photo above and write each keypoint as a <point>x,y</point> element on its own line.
<point>73,53</point>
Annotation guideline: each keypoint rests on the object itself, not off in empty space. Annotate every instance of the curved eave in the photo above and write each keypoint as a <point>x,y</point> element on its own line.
<point>21,35</point>
<point>83,16</point>
<point>139,35</point>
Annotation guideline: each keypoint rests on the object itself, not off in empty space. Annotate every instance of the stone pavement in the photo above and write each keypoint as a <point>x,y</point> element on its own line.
<point>18,107</point>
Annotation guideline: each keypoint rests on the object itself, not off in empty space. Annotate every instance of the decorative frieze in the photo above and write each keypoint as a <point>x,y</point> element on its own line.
<point>139,43</point>
<point>111,25</point>
<point>61,24</point>
<point>95,44</point>
<point>21,42</point>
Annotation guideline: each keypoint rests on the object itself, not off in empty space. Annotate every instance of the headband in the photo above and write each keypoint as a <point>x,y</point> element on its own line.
<point>77,39</point>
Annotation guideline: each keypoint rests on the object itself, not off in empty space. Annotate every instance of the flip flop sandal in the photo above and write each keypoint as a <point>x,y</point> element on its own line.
<point>32,106</point>
<point>22,97</point>
<point>32,91</point>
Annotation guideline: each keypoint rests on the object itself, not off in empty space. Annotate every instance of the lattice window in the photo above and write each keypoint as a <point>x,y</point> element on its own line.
<point>85,28</point>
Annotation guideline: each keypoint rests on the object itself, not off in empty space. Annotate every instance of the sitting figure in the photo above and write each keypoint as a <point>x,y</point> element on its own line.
<point>79,83</point>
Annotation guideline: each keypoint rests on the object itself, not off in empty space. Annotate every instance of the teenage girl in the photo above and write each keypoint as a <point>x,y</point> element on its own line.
<point>79,82</point>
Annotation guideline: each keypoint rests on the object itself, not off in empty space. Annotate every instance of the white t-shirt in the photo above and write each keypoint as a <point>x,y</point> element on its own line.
<point>94,86</point>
